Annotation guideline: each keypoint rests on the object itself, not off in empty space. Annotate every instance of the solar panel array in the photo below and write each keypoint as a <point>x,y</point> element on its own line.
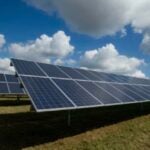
<point>52,87</point>
<point>9,84</point>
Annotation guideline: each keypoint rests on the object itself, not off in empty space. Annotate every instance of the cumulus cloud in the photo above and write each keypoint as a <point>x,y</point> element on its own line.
<point>145,45</point>
<point>2,40</point>
<point>5,66</point>
<point>43,49</point>
<point>94,17</point>
<point>108,59</point>
<point>99,17</point>
<point>140,13</point>
<point>66,62</point>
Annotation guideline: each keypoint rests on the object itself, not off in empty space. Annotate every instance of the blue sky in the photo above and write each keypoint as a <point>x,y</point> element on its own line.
<point>25,21</point>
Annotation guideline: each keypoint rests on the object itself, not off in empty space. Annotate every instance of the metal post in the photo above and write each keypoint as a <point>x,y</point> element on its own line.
<point>69,118</point>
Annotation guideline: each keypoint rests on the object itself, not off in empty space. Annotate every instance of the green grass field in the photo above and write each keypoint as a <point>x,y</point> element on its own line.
<point>111,128</point>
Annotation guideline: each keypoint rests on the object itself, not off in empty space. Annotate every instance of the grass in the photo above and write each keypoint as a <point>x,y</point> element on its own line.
<point>113,128</point>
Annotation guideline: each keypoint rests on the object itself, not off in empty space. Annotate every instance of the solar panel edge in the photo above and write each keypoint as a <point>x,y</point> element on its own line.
<point>91,70</point>
<point>78,68</point>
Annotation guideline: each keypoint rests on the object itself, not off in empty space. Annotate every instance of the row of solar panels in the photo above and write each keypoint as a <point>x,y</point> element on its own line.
<point>53,87</point>
<point>9,85</point>
<point>73,73</point>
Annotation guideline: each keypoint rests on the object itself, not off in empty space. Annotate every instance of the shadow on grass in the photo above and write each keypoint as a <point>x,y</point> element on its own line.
<point>14,102</point>
<point>22,130</point>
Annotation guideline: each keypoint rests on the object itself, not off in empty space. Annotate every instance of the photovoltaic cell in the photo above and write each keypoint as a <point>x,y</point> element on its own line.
<point>52,71</point>
<point>27,67</point>
<point>45,94</point>
<point>77,94</point>
<point>103,96</point>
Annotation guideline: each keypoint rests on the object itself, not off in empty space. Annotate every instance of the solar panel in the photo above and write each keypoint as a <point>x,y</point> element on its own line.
<point>73,73</point>
<point>10,85</point>
<point>102,95</point>
<point>15,88</point>
<point>102,76</point>
<point>76,93</point>
<point>144,89</point>
<point>11,78</point>
<point>27,68</point>
<point>116,78</point>
<point>44,94</point>
<point>52,87</point>
<point>136,90</point>
<point>52,71</point>
<point>129,91</point>
<point>3,88</point>
<point>2,78</point>
<point>118,94</point>
<point>88,74</point>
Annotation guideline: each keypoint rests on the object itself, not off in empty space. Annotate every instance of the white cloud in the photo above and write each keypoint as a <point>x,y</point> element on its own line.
<point>140,15</point>
<point>108,59</point>
<point>123,32</point>
<point>65,62</point>
<point>2,40</point>
<point>94,17</point>
<point>59,62</point>
<point>43,49</point>
<point>5,66</point>
<point>46,5</point>
<point>139,74</point>
<point>145,45</point>
<point>99,17</point>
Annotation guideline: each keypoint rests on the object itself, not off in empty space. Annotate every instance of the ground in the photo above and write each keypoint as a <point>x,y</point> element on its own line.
<point>114,128</point>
